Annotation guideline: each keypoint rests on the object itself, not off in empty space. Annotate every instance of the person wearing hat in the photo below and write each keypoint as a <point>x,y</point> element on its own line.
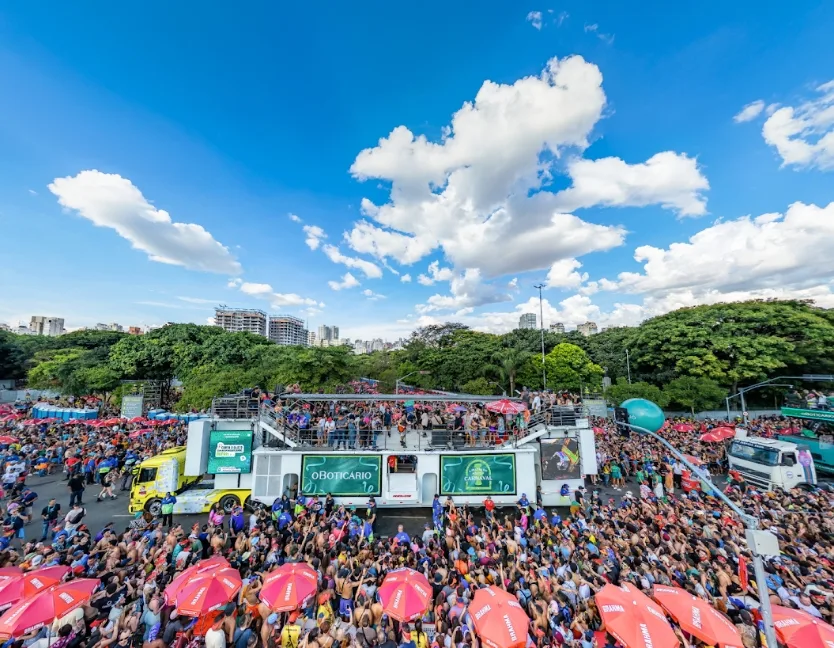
<point>291,633</point>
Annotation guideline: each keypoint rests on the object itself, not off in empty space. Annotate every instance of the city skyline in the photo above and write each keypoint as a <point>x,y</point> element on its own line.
<point>630,165</point>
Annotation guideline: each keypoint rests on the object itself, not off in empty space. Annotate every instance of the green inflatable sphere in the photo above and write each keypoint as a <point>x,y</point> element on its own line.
<point>645,414</point>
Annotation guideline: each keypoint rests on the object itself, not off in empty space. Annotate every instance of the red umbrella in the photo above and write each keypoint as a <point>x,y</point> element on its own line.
<point>137,419</point>
<point>697,617</point>
<point>505,406</point>
<point>50,604</point>
<point>207,591</point>
<point>499,619</point>
<point>405,594</point>
<point>798,629</point>
<point>711,437</point>
<point>724,432</point>
<point>634,619</point>
<point>6,440</point>
<point>693,460</point>
<point>683,427</point>
<point>288,587</point>
<point>599,431</point>
<point>137,433</point>
<point>28,584</point>
<point>180,580</point>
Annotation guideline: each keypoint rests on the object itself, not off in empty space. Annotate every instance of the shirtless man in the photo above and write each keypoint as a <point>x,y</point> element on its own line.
<point>345,584</point>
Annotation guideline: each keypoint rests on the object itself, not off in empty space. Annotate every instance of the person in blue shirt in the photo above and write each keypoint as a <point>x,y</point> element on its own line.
<point>555,519</point>
<point>402,537</point>
<point>540,514</point>
<point>437,511</point>
<point>284,518</point>
<point>523,503</point>
<point>167,506</point>
<point>237,521</point>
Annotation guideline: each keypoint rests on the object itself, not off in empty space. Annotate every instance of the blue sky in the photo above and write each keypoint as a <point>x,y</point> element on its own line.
<point>151,154</point>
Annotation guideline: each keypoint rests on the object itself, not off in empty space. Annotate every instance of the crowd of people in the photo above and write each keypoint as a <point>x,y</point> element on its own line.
<point>621,529</point>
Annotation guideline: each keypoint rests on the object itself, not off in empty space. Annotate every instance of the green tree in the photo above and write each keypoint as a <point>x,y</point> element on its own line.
<point>506,365</point>
<point>478,387</point>
<point>569,367</point>
<point>695,393</point>
<point>13,356</point>
<point>608,349</point>
<point>621,391</point>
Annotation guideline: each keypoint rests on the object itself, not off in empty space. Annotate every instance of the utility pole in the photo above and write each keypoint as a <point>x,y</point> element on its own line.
<point>628,367</point>
<point>541,329</point>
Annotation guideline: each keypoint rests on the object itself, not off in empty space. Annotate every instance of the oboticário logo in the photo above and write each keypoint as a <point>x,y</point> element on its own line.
<point>228,450</point>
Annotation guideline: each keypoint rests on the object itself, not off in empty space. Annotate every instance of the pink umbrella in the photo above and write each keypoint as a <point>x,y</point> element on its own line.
<point>683,427</point>
<point>207,591</point>
<point>286,588</point>
<point>505,406</point>
<point>137,433</point>
<point>405,594</point>
<point>26,585</point>
<point>599,431</point>
<point>137,419</point>
<point>52,603</point>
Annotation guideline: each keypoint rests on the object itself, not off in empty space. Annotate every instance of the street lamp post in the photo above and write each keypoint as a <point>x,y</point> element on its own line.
<point>541,328</point>
<point>628,367</point>
<point>399,380</point>
<point>752,533</point>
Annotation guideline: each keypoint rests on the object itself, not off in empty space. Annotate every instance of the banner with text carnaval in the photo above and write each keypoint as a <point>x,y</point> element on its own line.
<point>340,475</point>
<point>477,474</point>
<point>230,451</point>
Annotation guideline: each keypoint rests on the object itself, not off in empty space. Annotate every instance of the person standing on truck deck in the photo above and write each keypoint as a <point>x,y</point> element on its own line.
<point>168,509</point>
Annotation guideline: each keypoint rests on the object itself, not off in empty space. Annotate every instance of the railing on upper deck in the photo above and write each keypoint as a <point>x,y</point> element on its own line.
<point>433,438</point>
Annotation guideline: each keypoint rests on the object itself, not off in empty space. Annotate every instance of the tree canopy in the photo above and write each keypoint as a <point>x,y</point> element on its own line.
<point>690,358</point>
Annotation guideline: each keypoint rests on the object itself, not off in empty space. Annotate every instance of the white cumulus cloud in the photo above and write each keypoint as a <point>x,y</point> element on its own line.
<point>276,300</point>
<point>109,200</point>
<point>348,281</point>
<point>314,236</point>
<point>371,295</point>
<point>295,218</point>
<point>406,278</point>
<point>535,19</point>
<point>369,269</point>
<point>564,274</point>
<point>803,136</point>
<point>749,112</point>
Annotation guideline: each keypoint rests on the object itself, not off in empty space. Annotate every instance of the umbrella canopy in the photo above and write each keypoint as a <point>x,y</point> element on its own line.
<point>6,440</point>
<point>505,406</point>
<point>711,437</point>
<point>137,419</point>
<point>798,629</point>
<point>697,617</point>
<point>405,594</point>
<point>286,588</point>
<point>599,431</point>
<point>181,579</point>
<point>693,460</point>
<point>50,604</point>
<point>26,585</point>
<point>634,619</point>
<point>683,427</point>
<point>499,619</point>
<point>724,432</point>
<point>207,591</point>
<point>137,433</point>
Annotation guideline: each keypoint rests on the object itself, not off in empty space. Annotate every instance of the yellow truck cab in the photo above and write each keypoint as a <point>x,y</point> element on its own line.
<point>156,476</point>
<point>165,473</point>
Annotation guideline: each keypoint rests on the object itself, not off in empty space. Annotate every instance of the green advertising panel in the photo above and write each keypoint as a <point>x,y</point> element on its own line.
<point>809,414</point>
<point>477,474</point>
<point>341,475</point>
<point>230,451</point>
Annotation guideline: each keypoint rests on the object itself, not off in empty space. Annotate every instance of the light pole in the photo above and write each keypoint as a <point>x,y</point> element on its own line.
<point>753,534</point>
<point>628,367</point>
<point>541,328</point>
<point>399,380</point>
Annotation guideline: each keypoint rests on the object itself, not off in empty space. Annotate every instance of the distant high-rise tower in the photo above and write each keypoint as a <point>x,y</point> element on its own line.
<point>588,328</point>
<point>557,327</point>
<point>235,320</point>
<point>287,330</point>
<point>527,321</point>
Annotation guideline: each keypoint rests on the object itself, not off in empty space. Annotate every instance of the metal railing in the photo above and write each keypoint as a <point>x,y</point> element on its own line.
<point>235,407</point>
<point>414,438</point>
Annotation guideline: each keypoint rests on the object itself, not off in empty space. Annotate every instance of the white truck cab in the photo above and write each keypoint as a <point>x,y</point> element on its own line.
<point>770,464</point>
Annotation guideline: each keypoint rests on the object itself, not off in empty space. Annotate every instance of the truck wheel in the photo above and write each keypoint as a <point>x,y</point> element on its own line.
<point>154,507</point>
<point>228,502</point>
<point>253,504</point>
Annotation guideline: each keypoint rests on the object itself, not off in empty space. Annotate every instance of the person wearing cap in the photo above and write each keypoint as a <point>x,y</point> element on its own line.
<point>291,632</point>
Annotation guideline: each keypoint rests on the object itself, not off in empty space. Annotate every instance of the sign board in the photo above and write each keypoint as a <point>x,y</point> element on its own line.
<point>132,406</point>
<point>477,474</point>
<point>809,414</point>
<point>340,475</point>
<point>230,451</point>
<point>561,459</point>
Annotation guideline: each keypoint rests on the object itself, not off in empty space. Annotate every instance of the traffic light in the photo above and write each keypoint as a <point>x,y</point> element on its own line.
<point>621,416</point>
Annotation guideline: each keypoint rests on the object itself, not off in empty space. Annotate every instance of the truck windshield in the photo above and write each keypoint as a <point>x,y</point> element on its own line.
<point>146,475</point>
<point>754,453</point>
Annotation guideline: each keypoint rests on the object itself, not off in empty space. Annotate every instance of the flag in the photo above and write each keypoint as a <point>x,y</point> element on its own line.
<point>743,578</point>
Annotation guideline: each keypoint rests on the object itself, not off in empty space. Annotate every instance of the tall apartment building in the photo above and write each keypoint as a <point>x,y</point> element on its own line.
<point>311,338</point>
<point>328,333</point>
<point>51,326</point>
<point>235,320</point>
<point>557,327</point>
<point>588,328</point>
<point>527,321</point>
<point>288,330</point>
